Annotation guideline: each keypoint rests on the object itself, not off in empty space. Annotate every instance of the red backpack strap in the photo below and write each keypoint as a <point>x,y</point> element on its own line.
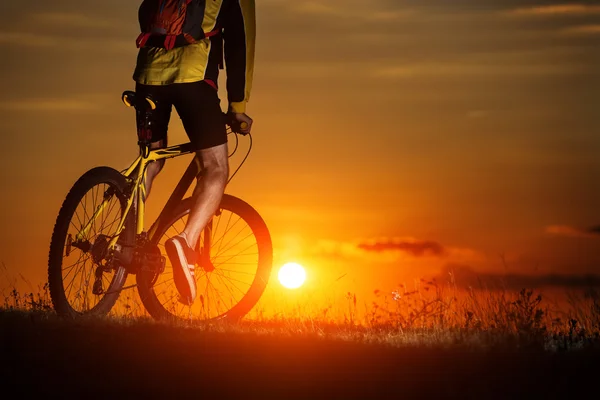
<point>212,84</point>
<point>212,33</point>
<point>170,41</point>
<point>142,39</point>
<point>189,38</point>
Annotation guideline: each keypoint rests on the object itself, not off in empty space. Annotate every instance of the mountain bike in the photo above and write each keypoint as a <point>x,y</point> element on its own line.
<point>99,239</point>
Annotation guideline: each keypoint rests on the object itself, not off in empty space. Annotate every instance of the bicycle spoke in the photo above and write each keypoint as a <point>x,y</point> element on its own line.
<point>216,229</point>
<point>237,254</point>
<point>172,297</point>
<point>238,272</point>
<point>87,255</point>
<point>236,280</point>
<point>227,229</point>
<point>68,288</point>
<point>231,240</point>
<point>211,286</point>
<point>252,245</point>
<point>206,290</point>
<point>80,223</point>
<point>86,216</point>
<point>228,289</point>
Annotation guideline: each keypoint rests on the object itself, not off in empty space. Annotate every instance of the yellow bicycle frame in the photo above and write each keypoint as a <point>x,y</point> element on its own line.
<point>136,175</point>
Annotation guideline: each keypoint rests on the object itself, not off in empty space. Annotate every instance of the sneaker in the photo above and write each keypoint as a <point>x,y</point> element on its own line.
<point>183,259</point>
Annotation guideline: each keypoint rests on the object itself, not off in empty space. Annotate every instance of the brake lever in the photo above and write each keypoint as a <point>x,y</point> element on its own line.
<point>235,125</point>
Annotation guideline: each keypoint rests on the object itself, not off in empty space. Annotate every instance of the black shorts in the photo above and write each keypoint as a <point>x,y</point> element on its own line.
<point>198,106</point>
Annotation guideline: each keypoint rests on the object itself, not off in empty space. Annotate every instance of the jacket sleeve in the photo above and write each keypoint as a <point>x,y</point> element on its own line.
<point>239,35</point>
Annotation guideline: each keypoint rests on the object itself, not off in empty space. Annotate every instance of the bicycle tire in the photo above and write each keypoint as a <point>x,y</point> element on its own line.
<point>59,245</point>
<point>157,308</point>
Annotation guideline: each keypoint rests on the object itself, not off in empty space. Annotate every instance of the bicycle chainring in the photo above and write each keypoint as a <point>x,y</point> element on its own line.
<point>150,263</point>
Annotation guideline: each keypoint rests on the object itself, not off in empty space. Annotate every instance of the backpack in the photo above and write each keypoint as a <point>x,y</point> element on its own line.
<point>171,23</point>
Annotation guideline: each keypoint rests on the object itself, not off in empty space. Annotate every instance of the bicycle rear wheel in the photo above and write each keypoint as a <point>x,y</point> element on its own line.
<point>241,254</point>
<point>83,276</point>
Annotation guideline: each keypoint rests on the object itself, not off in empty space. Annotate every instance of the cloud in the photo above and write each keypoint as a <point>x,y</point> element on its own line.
<point>465,277</point>
<point>397,249</point>
<point>556,10</point>
<point>569,231</point>
<point>478,114</point>
<point>47,104</point>
<point>415,248</point>
<point>311,70</point>
<point>595,230</point>
<point>67,30</point>
<point>29,39</point>
<point>394,15</point>
<point>353,13</point>
<point>350,251</point>
<point>313,7</point>
<point>71,20</point>
<point>581,30</point>
<point>479,69</point>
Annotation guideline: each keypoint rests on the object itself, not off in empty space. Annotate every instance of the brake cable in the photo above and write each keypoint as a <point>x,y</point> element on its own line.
<point>234,151</point>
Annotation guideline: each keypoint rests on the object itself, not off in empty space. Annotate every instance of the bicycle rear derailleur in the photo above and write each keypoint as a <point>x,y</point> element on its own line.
<point>100,252</point>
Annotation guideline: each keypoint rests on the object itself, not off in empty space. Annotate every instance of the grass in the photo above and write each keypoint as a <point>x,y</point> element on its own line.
<point>433,315</point>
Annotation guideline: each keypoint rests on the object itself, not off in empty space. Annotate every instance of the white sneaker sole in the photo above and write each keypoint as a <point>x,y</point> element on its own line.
<point>183,276</point>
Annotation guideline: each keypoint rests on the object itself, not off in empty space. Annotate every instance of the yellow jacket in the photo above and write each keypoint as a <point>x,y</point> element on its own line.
<point>236,19</point>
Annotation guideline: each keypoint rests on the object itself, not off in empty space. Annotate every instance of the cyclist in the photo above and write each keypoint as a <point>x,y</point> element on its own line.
<point>186,77</point>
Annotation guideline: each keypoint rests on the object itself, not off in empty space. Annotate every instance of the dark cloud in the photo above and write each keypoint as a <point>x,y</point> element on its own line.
<point>415,248</point>
<point>465,277</point>
<point>462,5</point>
<point>595,230</point>
<point>570,231</point>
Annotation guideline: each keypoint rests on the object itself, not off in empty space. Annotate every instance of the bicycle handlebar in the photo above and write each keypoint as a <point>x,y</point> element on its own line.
<point>235,125</point>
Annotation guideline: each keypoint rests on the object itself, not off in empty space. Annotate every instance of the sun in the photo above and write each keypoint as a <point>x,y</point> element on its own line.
<point>292,275</point>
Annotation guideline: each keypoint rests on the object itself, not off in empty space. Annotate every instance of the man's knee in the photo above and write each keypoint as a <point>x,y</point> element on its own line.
<point>216,170</point>
<point>155,167</point>
<point>160,164</point>
<point>214,163</point>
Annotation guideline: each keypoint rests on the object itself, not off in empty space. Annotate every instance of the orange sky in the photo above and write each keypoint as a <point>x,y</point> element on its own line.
<point>392,138</point>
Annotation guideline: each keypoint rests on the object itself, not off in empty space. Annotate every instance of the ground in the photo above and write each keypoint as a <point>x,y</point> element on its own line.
<point>47,356</point>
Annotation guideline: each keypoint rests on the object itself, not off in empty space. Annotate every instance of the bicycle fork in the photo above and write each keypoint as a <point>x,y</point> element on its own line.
<point>204,249</point>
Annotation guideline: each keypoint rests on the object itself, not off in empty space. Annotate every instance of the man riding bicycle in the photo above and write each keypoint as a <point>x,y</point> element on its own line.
<point>182,47</point>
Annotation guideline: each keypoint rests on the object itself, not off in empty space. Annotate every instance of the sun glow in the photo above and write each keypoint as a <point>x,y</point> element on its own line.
<point>292,275</point>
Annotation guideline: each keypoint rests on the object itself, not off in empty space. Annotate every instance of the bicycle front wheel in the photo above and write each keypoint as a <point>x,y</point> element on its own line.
<point>241,257</point>
<point>83,277</point>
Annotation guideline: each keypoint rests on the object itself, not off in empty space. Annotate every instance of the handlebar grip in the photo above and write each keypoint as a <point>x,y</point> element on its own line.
<point>235,125</point>
<point>151,103</point>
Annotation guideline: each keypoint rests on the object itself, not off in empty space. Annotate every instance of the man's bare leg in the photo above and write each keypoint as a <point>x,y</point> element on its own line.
<point>154,168</point>
<point>206,198</point>
<point>208,192</point>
